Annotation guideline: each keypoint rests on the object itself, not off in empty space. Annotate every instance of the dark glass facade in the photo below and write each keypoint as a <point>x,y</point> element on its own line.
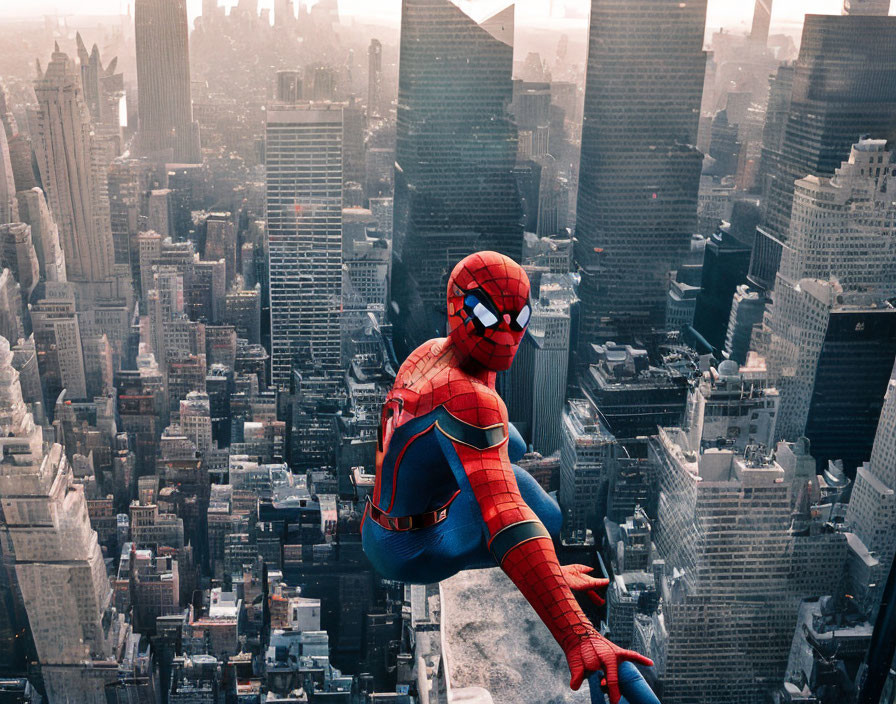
<point>725,264</point>
<point>455,190</point>
<point>853,371</point>
<point>640,170</point>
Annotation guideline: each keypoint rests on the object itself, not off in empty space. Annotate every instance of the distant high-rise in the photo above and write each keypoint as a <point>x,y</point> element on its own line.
<point>11,312</point>
<point>354,123</point>
<point>17,253</point>
<point>57,336</point>
<point>220,242</point>
<point>766,253</point>
<point>127,182</point>
<point>367,266</point>
<point>880,8</point>
<point>587,455</point>
<point>843,88</point>
<point>303,203</point>
<point>8,209</point>
<point>242,309</point>
<point>374,78</point>
<point>550,332</point>
<point>44,233</point>
<point>456,147</point>
<point>7,119</point>
<point>535,388</point>
<point>726,260</point>
<point>196,420</point>
<point>747,308</point>
<point>640,171</point>
<point>163,80</point>
<point>284,13</point>
<point>74,183</point>
<point>762,17</point>
<point>320,82</point>
<point>104,96</point>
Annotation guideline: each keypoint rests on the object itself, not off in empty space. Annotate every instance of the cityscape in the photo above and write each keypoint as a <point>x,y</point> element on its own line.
<point>227,230</point>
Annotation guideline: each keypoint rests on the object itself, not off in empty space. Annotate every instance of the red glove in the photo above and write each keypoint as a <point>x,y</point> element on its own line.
<point>587,652</point>
<point>578,579</point>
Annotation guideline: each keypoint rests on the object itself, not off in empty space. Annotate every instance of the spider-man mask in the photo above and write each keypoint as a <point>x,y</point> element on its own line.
<point>488,308</point>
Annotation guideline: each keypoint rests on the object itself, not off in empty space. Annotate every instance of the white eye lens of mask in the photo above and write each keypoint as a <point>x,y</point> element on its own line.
<point>523,318</point>
<point>486,317</point>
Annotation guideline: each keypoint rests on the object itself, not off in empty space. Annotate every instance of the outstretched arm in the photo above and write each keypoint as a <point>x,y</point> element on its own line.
<point>523,548</point>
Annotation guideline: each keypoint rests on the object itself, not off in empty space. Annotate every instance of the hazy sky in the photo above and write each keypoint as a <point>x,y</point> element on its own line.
<point>726,13</point>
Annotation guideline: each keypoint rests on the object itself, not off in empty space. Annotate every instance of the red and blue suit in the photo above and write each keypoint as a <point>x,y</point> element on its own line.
<point>447,497</point>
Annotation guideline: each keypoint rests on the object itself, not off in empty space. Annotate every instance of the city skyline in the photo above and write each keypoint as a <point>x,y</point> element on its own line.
<point>787,16</point>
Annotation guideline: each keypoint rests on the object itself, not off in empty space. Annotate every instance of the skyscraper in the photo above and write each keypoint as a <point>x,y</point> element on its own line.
<point>640,170</point>
<point>746,311</point>
<point>58,562</point>
<point>791,339</point>
<point>872,507</point>
<point>44,233</point>
<point>829,334</point>
<point>374,77</point>
<point>726,259</point>
<point>104,96</point>
<point>588,453</point>
<point>11,311</point>
<point>284,13</point>
<point>163,80</point>
<point>866,7</point>
<point>8,208</point>
<point>829,353</point>
<point>851,378</point>
<point>762,17</point>
<point>354,122</point>
<point>74,183</point>
<point>303,202</point>
<point>17,253</point>
<point>733,571</point>
<point>196,420</point>
<point>456,148</point>
<point>843,88</point>
<point>845,226</point>
<point>57,336</point>
<point>220,242</point>
<point>289,86</point>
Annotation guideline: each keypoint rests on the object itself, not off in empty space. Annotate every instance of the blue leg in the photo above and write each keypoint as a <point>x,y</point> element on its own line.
<point>632,684</point>
<point>536,498</point>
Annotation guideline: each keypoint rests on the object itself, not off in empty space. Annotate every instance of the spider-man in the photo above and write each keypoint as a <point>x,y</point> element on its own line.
<point>447,497</point>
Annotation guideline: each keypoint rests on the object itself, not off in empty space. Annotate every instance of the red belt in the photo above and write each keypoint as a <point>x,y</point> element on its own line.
<point>405,523</point>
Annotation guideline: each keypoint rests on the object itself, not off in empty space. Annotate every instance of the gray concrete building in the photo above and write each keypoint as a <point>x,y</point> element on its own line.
<point>303,203</point>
